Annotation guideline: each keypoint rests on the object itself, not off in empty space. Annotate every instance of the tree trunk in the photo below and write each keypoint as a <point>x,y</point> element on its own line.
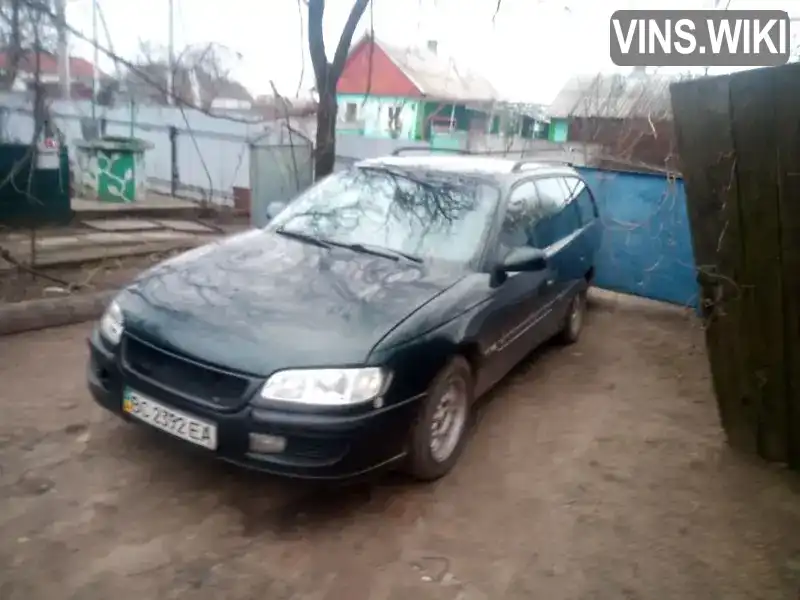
<point>325,153</point>
<point>327,76</point>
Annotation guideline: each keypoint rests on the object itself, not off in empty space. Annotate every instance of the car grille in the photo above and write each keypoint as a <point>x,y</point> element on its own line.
<point>316,449</point>
<point>187,377</point>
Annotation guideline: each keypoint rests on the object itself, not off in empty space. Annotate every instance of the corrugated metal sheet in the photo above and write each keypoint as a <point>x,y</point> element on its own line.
<point>614,96</point>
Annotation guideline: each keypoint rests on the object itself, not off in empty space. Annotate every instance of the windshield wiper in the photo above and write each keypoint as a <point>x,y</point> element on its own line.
<point>303,237</point>
<point>377,251</point>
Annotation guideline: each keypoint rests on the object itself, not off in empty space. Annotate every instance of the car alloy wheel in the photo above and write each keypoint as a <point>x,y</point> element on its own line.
<point>438,435</point>
<point>575,318</point>
<point>449,419</point>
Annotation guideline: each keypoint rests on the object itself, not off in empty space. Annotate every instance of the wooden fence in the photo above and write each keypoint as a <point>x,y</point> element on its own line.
<point>739,142</point>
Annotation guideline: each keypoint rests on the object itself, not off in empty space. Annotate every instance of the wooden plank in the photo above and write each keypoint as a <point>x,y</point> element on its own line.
<point>787,115</point>
<point>754,130</point>
<point>701,111</point>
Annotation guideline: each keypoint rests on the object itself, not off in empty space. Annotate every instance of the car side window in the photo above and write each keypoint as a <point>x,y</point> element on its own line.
<point>582,196</point>
<point>560,218</point>
<point>520,213</point>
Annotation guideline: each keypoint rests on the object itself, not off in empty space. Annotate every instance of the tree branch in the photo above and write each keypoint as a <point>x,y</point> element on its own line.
<point>342,50</point>
<point>316,42</point>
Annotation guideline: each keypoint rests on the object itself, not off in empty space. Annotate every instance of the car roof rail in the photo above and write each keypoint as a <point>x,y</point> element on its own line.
<point>518,165</point>
<point>404,149</point>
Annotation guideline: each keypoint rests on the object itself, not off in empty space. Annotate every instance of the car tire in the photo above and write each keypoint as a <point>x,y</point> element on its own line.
<point>573,322</point>
<point>447,406</point>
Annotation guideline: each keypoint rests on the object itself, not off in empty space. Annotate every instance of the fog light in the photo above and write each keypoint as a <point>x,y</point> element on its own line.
<point>261,443</point>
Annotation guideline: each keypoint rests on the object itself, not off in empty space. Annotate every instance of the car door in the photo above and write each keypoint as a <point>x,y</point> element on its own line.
<point>557,232</point>
<point>590,223</point>
<point>523,299</point>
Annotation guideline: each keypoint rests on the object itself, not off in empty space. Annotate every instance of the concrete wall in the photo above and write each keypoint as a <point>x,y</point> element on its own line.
<point>213,153</point>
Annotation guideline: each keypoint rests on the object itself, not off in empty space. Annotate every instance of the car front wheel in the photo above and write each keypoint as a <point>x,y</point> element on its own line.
<point>439,433</point>
<point>576,315</point>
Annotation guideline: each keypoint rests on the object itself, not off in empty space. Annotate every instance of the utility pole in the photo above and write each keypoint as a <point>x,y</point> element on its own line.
<point>95,72</point>
<point>63,50</point>
<point>171,66</point>
<point>109,41</point>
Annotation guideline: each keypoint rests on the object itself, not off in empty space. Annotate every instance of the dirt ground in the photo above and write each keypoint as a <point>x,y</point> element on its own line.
<point>597,472</point>
<point>112,273</point>
<point>94,276</point>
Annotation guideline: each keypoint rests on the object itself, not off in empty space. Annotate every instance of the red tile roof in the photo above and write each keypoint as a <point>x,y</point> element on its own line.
<point>79,68</point>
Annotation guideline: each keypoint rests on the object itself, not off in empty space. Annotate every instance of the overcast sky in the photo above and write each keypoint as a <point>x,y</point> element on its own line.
<point>527,52</point>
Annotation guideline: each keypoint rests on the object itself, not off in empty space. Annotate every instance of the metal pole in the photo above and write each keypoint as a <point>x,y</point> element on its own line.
<point>96,59</point>
<point>173,144</point>
<point>63,50</point>
<point>171,68</point>
<point>109,41</point>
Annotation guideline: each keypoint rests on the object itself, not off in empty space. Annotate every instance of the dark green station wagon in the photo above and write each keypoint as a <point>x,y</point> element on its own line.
<point>356,329</point>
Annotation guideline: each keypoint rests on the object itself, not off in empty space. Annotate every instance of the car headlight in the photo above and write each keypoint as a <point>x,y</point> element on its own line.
<point>112,323</point>
<point>326,387</point>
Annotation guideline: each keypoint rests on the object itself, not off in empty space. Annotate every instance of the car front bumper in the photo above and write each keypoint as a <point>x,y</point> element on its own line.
<point>318,446</point>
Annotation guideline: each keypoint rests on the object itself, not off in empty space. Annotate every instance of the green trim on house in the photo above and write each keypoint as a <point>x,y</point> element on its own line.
<point>369,117</point>
<point>373,114</point>
<point>559,130</point>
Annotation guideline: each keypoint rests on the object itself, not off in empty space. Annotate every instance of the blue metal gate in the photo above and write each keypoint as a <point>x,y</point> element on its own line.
<point>647,244</point>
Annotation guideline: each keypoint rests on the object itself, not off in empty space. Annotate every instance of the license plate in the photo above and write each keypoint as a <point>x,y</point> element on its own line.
<point>175,422</point>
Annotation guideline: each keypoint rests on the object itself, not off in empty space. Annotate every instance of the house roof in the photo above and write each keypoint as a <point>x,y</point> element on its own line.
<point>614,96</point>
<point>436,76</point>
<point>79,68</point>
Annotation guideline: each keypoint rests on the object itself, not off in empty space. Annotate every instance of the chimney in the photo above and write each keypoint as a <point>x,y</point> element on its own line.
<point>433,46</point>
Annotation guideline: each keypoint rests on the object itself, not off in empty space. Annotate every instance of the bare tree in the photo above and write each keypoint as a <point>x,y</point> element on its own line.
<point>326,74</point>
<point>621,120</point>
<point>205,66</point>
<point>24,27</point>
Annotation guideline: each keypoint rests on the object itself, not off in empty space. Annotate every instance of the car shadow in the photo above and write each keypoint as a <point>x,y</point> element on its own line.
<point>288,508</point>
<point>523,367</point>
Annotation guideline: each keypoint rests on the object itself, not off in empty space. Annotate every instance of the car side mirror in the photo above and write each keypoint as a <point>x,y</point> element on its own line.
<point>273,208</point>
<point>524,259</point>
<point>519,259</point>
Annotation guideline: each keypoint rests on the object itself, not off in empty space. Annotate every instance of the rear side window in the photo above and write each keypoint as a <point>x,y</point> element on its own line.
<point>520,213</point>
<point>582,196</point>
<point>560,218</point>
<point>552,194</point>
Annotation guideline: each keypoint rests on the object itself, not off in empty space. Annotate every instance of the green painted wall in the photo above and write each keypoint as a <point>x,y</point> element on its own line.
<point>559,130</point>
<point>374,113</point>
<point>49,189</point>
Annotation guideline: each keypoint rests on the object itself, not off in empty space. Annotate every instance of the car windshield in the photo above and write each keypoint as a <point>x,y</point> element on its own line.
<point>441,218</point>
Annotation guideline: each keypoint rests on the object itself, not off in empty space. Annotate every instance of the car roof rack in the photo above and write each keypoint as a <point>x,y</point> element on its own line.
<point>518,165</point>
<point>400,151</point>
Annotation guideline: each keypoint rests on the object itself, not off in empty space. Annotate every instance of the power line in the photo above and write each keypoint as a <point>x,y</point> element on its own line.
<point>146,77</point>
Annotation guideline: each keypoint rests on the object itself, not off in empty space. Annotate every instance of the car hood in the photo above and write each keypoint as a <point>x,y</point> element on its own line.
<point>258,302</point>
